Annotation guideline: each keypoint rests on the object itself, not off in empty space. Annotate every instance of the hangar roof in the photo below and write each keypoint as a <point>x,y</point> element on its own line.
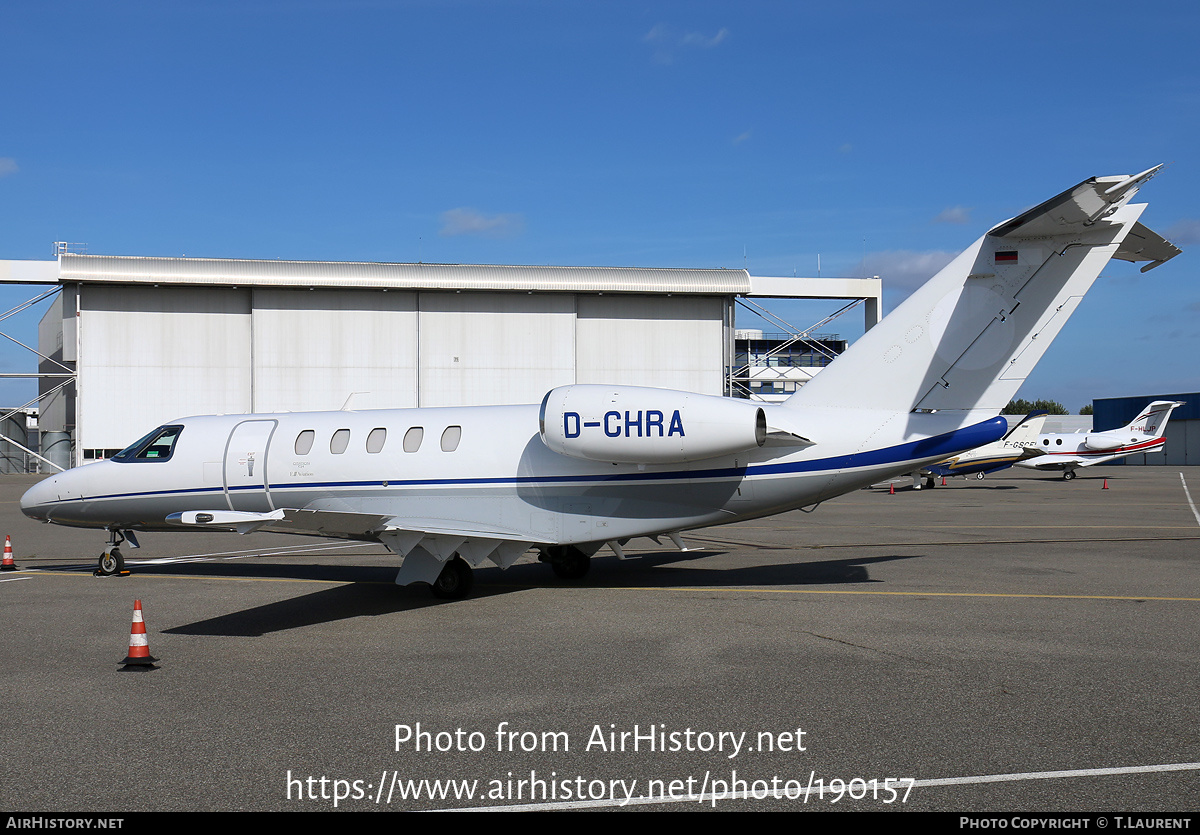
<point>126,269</point>
<point>72,267</point>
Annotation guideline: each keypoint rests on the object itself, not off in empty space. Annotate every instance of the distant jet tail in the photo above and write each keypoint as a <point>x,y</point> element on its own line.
<point>968,338</point>
<point>1152,421</point>
<point>1025,434</point>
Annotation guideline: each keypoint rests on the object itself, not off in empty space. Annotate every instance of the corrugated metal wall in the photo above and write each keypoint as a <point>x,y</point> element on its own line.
<point>148,355</point>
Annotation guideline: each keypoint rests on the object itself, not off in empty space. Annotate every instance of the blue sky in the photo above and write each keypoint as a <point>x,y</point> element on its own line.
<point>883,137</point>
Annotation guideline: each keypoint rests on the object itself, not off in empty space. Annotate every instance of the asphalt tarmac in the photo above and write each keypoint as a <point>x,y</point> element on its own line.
<point>1014,644</point>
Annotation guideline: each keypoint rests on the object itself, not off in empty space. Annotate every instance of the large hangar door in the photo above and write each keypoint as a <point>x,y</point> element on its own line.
<point>673,342</point>
<point>486,349</point>
<point>246,466</point>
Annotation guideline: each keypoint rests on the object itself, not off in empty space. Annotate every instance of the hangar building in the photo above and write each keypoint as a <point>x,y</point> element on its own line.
<point>132,342</point>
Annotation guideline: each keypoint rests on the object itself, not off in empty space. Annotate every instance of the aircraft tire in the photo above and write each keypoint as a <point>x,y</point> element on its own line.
<point>111,562</point>
<point>979,476</point>
<point>930,483</point>
<point>455,581</point>
<point>1068,475</point>
<point>573,564</point>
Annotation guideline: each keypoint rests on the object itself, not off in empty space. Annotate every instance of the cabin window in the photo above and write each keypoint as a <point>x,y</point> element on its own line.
<point>413,438</point>
<point>157,446</point>
<point>376,439</point>
<point>339,441</point>
<point>1058,441</point>
<point>450,438</point>
<point>304,442</point>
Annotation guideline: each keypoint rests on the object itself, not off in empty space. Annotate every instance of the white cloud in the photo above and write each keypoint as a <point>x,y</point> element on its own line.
<point>667,40</point>
<point>955,214</point>
<point>8,165</point>
<point>740,138</point>
<point>465,221</point>
<point>1184,232</point>
<point>903,271</point>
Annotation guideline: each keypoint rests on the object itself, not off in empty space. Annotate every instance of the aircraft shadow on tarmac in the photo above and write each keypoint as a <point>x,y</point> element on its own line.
<point>368,591</point>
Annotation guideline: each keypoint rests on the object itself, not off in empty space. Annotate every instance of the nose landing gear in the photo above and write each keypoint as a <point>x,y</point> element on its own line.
<point>111,560</point>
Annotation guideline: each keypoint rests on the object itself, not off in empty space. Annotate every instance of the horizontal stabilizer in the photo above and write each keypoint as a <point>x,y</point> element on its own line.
<point>1075,209</point>
<point>1142,244</point>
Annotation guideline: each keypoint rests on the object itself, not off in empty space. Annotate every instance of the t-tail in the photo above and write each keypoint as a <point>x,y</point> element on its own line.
<point>1152,421</point>
<point>969,337</point>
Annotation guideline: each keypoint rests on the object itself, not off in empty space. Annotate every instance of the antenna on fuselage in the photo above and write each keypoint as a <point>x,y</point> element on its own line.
<point>346,405</point>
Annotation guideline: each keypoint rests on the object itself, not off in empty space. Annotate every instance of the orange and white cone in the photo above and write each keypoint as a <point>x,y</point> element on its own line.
<point>1105,487</point>
<point>139,649</point>
<point>8,564</point>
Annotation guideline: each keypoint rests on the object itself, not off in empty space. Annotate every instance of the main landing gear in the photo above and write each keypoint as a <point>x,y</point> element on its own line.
<point>1068,475</point>
<point>567,561</point>
<point>111,560</point>
<point>455,580</point>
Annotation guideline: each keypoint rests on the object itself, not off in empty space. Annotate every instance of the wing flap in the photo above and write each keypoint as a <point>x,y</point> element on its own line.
<point>441,538</point>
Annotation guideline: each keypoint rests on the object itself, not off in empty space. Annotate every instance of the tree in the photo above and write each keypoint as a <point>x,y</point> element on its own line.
<point>1024,407</point>
<point>1086,410</point>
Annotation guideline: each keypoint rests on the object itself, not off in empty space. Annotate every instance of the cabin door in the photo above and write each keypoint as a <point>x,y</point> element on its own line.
<point>246,466</point>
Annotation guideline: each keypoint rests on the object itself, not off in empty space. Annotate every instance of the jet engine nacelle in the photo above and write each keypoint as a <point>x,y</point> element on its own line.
<point>1099,443</point>
<point>633,425</point>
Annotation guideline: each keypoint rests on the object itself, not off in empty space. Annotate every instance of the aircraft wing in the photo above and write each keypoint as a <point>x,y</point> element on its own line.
<point>1062,462</point>
<point>439,537</point>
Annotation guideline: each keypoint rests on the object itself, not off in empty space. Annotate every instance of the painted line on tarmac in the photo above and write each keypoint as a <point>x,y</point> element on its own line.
<point>737,590</point>
<point>1191,503</point>
<point>952,543</point>
<point>713,797</point>
<point>278,551</point>
<point>252,552</point>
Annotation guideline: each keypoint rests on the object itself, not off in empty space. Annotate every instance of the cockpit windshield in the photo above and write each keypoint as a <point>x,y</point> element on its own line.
<point>157,446</point>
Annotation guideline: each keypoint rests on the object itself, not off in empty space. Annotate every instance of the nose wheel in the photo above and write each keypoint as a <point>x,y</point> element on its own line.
<point>112,561</point>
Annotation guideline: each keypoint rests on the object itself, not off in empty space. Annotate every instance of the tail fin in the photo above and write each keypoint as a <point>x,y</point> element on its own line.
<point>1025,434</point>
<point>969,337</point>
<point>1152,421</point>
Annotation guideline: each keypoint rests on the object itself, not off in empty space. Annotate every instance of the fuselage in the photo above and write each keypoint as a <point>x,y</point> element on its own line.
<point>486,469</point>
<point>1080,449</point>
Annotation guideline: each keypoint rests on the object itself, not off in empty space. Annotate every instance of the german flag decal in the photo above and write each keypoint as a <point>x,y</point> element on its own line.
<point>1006,257</point>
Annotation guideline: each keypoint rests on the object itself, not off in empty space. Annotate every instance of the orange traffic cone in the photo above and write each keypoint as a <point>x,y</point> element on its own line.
<point>139,649</point>
<point>943,481</point>
<point>891,489</point>
<point>8,564</point>
<point>1105,487</point>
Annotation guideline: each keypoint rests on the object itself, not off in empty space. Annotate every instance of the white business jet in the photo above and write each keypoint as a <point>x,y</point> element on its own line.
<point>1020,443</point>
<point>1069,452</point>
<point>450,488</point>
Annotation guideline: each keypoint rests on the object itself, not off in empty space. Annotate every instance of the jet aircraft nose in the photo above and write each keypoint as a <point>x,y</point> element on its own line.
<point>38,499</point>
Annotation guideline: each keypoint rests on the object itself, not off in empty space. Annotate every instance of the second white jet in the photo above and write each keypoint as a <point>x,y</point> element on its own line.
<point>1069,452</point>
